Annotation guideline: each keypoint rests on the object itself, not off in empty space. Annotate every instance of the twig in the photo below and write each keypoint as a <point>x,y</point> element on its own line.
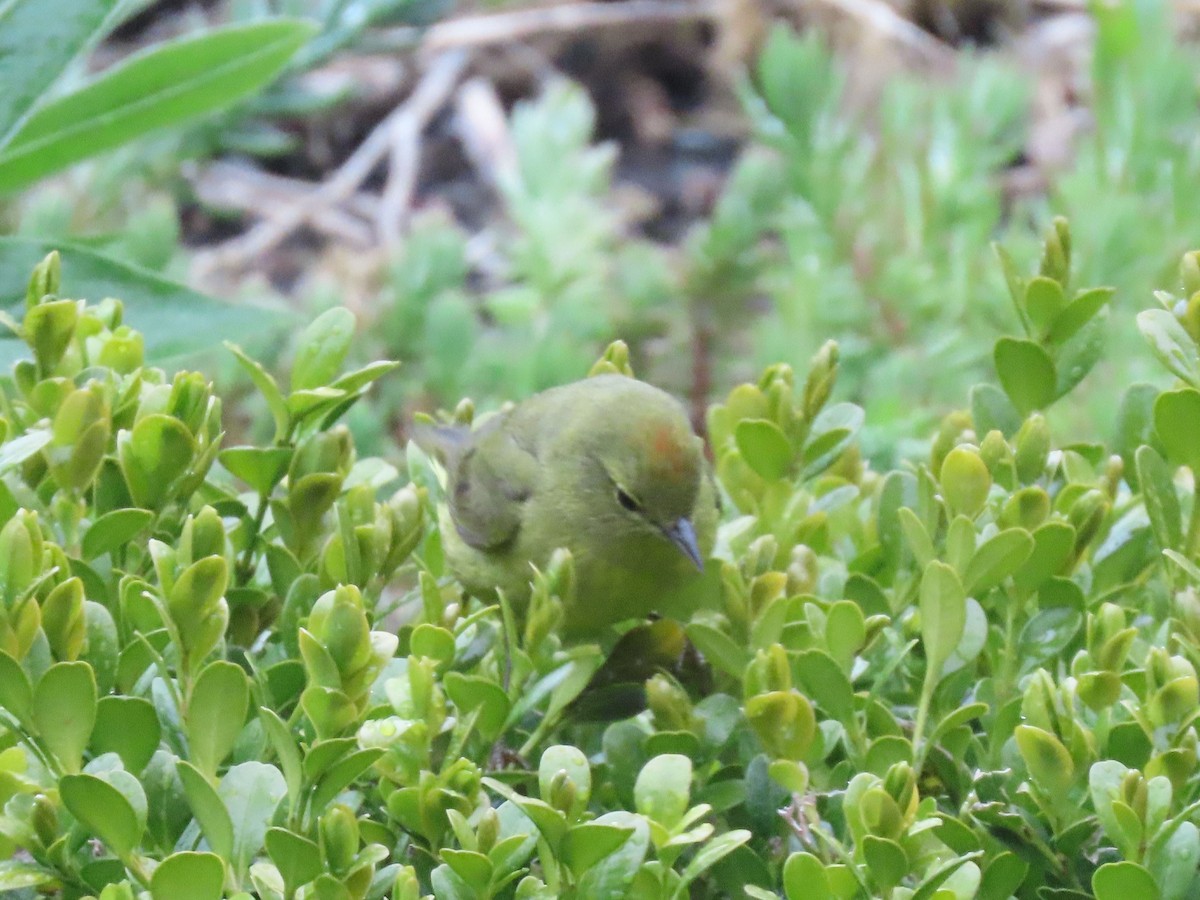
<point>424,101</point>
<point>474,31</point>
<point>430,95</point>
<point>886,21</point>
<point>483,129</point>
<point>401,181</point>
<point>236,186</point>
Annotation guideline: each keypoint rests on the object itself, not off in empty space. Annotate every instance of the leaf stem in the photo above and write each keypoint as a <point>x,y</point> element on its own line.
<point>1192,546</point>
<point>922,717</point>
<point>245,568</point>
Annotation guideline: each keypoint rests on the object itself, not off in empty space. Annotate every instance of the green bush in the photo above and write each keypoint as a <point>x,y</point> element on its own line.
<point>870,228</point>
<point>243,672</point>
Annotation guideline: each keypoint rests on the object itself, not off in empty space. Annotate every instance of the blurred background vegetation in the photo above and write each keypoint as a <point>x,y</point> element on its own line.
<point>500,189</point>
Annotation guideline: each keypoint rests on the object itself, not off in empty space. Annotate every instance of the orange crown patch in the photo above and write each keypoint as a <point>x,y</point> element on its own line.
<point>667,453</point>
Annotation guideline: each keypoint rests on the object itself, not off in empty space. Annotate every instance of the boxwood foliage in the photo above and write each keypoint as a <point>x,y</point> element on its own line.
<point>243,671</point>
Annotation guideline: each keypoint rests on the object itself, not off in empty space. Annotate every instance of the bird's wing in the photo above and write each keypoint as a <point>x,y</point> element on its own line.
<point>489,485</point>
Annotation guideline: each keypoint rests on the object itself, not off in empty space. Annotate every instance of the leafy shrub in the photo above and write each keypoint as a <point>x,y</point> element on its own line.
<point>242,671</point>
<point>872,230</point>
<point>223,82</point>
<point>49,121</point>
<point>820,231</point>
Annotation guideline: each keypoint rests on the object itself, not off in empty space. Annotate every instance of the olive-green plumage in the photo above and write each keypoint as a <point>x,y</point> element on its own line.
<point>608,468</point>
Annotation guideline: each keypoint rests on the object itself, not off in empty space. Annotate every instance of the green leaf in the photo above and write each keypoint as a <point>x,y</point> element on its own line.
<point>943,613</point>
<point>1002,876</point>
<point>360,378</point>
<point>208,808</point>
<point>1012,277</point>
<point>216,712</point>
<point>585,845</point>
<point>764,448</point>
<point>1177,422</point>
<point>825,682</point>
<point>173,318</point>
<point>1174,861</point>
<point>1052,546</point>
<point>297,858</point>
<point>323,754</point>
<point>471,866</point>
<point>127,726</point>
<point>342,774</point>
<point>1047,633</point>
<point>1026,373</point>
<point>960,876</point>
<point>286,750</point>
<point>1188,567</point>
<point>104,811</point>
<point>165,84</point>
<point>1170,343</point>
<point>267,386</point>
<point>1123,880</point>
<point>64,711</point>
<point>1134,426</point>
<point>16,451</point>
<point>959,543</point>
<point>322,349</point>
<point>662,789</point>
<point>973,640</point>
<point>1048,762</point>
<point>956,717</point>
<point>546,819</point>
<point>471,692</point>
<point>101,639</point>
<point>1160,498</point>
<point>804,878</point>
<point>965,481</point>
<point>571,762</point>
<point>916,536</point>
<point>432,641</point>
<point>613,874</point>
<point>845,632</point>
<point>447,885</point>
<point>16,693</point>
<point>260,467</point>
<point>1044,301</point>
<point>1104,784</point>
<point>303,403</point>
<point>887,861</point>
<point>719,648</point>
<point>15,875</point>
<point>250,791</point>
<point>832,432</point>
<point>114,529</point>
<point>1078,356</point>
<point>992,410</point>
<point>1079,312</point>
<point>153,455</point>
<point>36,47</point>
<point>188,875</point>
<point>997,558</point>
<point>710,854</point>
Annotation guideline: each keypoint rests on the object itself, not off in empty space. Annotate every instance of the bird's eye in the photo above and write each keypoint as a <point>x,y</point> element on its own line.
<point>628,502</point>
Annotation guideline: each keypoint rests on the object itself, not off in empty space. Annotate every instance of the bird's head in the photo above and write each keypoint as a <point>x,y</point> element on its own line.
<point>651,466</point>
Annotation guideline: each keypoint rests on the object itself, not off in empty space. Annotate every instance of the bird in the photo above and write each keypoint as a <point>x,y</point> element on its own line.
<point>608,468</point>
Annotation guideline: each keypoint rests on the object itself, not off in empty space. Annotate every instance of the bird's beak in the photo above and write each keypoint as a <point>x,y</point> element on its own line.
<point>683,536</point>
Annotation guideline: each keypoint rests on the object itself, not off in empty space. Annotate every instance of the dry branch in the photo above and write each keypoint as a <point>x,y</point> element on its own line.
<point>884,20</point>
<point>431,93</point>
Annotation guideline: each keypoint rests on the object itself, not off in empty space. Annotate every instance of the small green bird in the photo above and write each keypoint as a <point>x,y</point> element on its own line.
<point>608,468</point>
